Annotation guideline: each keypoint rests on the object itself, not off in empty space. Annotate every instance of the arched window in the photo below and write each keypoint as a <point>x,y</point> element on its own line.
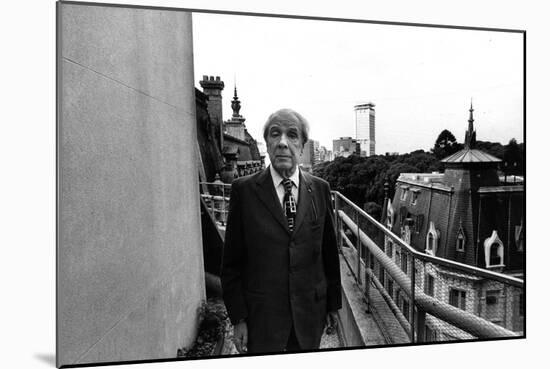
<point>494,251</point>
<point>432,239</point>
<point>494,257</point>
<point>460,240</point>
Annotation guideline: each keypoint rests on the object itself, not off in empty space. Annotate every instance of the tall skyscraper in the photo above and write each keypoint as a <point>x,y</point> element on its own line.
<point>364,128</point>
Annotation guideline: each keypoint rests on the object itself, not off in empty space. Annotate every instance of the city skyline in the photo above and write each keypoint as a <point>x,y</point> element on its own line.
<point>421,79</point>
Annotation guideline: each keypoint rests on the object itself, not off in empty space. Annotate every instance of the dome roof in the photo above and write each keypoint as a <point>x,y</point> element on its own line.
<point>470,156</point>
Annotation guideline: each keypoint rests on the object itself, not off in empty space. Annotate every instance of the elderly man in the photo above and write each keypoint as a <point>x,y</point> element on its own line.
<point>280,272</point>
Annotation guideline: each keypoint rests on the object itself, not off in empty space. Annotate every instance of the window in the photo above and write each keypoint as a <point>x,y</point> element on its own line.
<point>431,242</point>
<point>414,197</point>
<point>492,306</point>
<point>389,219</point>
<point>419,220</point>
<point>457,298</point>
<point>432,239</point>
<point>389,287</point>
<point>389,248</point>
<point>404,191</point>
<point>429,285</point>
<point>495,257</point>
<point>494,251</point>
<point>406,309</point>
<point>404,262</point>
<point>491,297</point>
<point>430,334</point>
<point>381,274</point>
<point>460,240</point>
<point>406,234</point>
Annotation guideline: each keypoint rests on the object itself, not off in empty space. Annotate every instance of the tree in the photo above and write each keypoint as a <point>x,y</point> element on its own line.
<point>513,158</point>
<point>445,145</point>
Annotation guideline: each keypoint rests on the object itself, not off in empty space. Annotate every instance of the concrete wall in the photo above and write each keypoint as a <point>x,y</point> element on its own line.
<point>129,259</point>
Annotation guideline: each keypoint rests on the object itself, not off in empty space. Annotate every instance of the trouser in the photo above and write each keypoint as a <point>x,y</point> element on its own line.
<point>292,343</point>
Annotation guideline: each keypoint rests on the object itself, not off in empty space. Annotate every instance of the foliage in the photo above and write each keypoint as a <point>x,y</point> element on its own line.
<point>361,179</point>
<point>212,319</point>
<point>514,158</point>
<point>445,145</point>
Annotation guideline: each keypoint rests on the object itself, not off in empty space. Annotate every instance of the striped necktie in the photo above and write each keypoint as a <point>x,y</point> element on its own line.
<point>289,203</point>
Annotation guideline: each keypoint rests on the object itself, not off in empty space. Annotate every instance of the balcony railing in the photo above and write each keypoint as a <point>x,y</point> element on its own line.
<point>434,299</point>
<point>216,197</point>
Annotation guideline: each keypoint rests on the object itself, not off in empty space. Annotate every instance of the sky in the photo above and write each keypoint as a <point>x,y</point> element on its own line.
<point>421,79</point>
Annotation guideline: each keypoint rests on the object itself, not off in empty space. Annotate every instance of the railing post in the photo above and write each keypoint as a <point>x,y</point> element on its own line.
<point>222,210</point>
<point>368,272</point>
<point>412,304</point>
<point>421,314</point>
<point>358,249</point>
<point>339,239</point>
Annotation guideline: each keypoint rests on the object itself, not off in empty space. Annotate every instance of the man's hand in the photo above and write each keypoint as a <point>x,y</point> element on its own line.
<point>332,322</point>
<point>240,336</point>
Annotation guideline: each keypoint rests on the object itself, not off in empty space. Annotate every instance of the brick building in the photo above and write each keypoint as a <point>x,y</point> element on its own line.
<point>467,215</point>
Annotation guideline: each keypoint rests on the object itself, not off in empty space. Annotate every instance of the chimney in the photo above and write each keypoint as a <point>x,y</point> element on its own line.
<point>212,87</point>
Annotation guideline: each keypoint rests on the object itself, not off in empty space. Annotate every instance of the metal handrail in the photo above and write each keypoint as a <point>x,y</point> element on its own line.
<point>216,184</point>
<point>516,282</point>
<point>462,319</point>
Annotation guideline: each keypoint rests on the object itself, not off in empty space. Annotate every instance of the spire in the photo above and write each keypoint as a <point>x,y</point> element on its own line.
<point>236,104</point>
<point>470,138</point>
<point>471,120</point>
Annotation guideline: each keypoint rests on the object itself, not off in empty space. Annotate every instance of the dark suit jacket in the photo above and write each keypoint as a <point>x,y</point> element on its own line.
<point>274,278</point>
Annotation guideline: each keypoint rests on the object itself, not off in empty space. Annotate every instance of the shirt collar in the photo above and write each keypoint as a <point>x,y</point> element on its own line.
<point>277,178</point>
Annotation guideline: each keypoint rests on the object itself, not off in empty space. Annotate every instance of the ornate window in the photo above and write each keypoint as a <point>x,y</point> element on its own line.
<point>432,239</point>
<point>494,251</point>
<point>460,240</point>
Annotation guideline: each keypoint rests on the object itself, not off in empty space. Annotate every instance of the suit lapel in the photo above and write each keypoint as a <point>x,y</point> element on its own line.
<point>304,200</point>
<point>267,195</point>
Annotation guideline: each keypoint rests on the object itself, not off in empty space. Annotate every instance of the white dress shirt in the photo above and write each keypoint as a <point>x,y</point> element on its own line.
<point>278,184</point>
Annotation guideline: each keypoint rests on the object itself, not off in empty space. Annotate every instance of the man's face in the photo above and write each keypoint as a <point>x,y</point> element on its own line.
<point>284,145</point>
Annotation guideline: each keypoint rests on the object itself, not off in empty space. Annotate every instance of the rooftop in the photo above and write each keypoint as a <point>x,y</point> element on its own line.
<point>470,156</point>
<point>496,189</point>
